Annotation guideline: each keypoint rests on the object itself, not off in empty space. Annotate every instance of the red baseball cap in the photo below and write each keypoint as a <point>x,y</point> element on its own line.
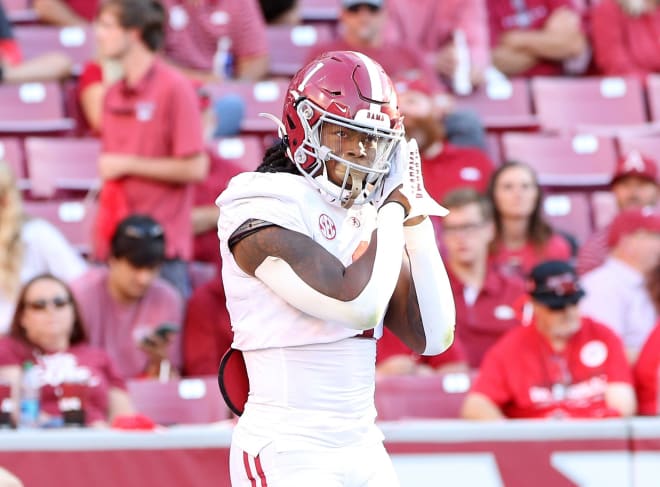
<point>630,221</point>
<point>635,164</point>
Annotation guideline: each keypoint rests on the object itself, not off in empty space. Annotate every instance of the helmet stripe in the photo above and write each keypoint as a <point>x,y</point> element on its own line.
<point>374,76</point>
<point>306,79</point>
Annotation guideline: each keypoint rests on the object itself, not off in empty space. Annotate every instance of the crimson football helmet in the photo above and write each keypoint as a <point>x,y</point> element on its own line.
<point>350,91</point>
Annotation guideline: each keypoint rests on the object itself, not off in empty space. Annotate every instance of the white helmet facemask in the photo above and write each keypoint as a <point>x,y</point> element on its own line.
<point>362,147</point>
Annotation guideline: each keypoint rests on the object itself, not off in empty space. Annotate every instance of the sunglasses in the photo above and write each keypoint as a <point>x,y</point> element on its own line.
<point>573,301</point>
<point>358,6</point>
<point>137,232</point>
<point>57,302</point>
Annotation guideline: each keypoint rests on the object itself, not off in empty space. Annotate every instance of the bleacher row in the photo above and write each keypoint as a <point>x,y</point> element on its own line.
<point>571,130</point>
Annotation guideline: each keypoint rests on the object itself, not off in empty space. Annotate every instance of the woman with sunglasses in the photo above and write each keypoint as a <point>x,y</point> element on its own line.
<point>47,330</point>
<point>30,246</point>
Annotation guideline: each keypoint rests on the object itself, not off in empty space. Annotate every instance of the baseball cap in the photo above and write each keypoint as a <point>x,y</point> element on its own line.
<point>632,220</point>
<point>140,239</point>
<point>635,164</point>
<point>554,283</point>
<point>353,3</point>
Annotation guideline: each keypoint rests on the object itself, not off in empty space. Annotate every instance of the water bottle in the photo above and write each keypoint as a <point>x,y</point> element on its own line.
<point>462,84</point>
<point>222,59</point>
<point>30,395</point>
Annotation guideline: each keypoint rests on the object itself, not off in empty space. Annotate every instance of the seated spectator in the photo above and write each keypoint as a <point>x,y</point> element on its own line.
<point>66,12</point>
<point>48,331</point>
<point>634,184</point>
<point>616,290</point>
<point>563,365</point>
<point>647,367</point>
<point>431,25</point>
<point>361,28</point>
<point>196,31</point>
<point>14,69</point>
<point>522,236</point>
<point>485,298</point>
<point>207,329</point>
<point>624,35</point>
<point>281,12</point>
<point>445,166</point>
<point>124,304</point>
<point>30,246</point>
<point>536,37</point>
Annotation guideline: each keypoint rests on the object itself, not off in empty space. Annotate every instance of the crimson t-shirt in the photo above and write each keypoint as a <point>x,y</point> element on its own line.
<point>647,374</point>
<point>526,378</point>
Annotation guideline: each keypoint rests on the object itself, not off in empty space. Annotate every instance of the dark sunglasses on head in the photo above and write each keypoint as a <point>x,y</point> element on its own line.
<point>57,302</point>
<point>134,231</point>
<point>358,6</point>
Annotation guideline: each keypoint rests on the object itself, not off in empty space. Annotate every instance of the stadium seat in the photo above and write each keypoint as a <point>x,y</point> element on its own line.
<point>236,155</point>
<point>582,160</point>
<point>563,104</point>
<point>604,208</point>
<point>436,396</point>
<point>32,108</point>
<point>19,11</point>
<point>61,163</point>
<point>290,45</point>
<point>12,153</point>
<point>315,10</point>
<point>262,96</point>
<point>646,145</point>
<point>569,212</point>
<point>75,41</point>
<point>502,104</point>
<point>179,401</point>
<point>74,218</point>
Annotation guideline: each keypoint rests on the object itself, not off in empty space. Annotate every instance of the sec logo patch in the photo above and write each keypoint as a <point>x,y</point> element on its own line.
<point>327,226</point>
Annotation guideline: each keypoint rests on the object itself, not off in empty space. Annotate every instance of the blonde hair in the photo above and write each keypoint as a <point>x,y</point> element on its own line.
<point>11,221</point>
<point>635,8</point>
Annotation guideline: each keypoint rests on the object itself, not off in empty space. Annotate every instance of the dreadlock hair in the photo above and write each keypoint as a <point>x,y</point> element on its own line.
<point>277,160</point>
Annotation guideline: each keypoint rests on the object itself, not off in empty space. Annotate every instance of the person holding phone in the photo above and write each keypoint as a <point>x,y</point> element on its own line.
<point>129,310</point>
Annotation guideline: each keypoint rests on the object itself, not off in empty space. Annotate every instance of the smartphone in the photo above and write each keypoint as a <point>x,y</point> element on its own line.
<point>164,329</point>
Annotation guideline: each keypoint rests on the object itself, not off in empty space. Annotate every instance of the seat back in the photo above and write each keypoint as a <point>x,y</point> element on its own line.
<point>32,108</point>
<point>569,212</point>
<point>11,152</point>
<point>290,45</point>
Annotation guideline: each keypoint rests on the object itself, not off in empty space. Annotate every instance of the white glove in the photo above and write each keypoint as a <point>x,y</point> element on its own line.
<point>413,189</point>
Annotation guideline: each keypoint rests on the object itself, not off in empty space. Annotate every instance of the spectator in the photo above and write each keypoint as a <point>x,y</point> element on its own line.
<point>624,37</point>
<point>485,298</point>
<point>207,330</point>
<point>281,12</point>
<point>361,28</point>
<point>522,237</point>
<point>616,290</point>
<point>124,303</point>
<point>634,184</point>
<point>47,330</point>
<point>536,37</point>
<point>562,365</point>
<point>431,25</point>
<point>14,69</point>
<point>30,246</point>
<point>152,145</point>
<point>647,367</point>
<point>66,12</point>
<point>446,166</point>
<point>197,30</point>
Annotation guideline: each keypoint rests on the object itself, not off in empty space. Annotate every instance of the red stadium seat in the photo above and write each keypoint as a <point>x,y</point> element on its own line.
<point>290,45</point>
<point>504,104</point>
<point>75,41</point>
<point>649,146</point>
<point>235,155</point>
<point>32,108</point>
<point>19,11</point>
<point>562,104</point>
<point>75,219</point>
<point>61,163</point>
<point>436,396</point>
<point>262,96</point>
<point>569,212</point>
<point>564,160</point>
<point>12,153</point>
<point>313,10</point>
<point>179,401</point>
<point>604,208</point>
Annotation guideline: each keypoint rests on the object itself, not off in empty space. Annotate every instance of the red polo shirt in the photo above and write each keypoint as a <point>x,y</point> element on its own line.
<point>623,44</point>
<point>160,117</point>
<point>505,15</point>
<point>194,28</point>
<point>647,374</point>
<point>526,378</point>
<point>480,325</point>
<point>455,167</point>
<point>521,261</point>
